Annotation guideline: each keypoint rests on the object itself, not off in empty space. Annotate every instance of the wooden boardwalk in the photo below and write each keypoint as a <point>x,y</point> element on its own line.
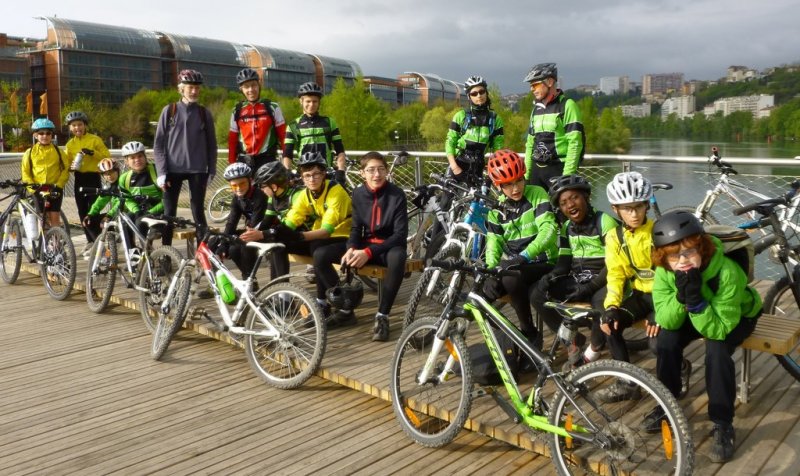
<point>73,401</point>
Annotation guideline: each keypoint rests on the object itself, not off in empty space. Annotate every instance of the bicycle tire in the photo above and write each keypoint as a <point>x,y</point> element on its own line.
<point>434,413</point>
<point>623,446</point>
<point>65,223</point>
<point>709,219</point>
<point>155,272</point>
<point>418,224</point>
<point>780,301</point>
<point>100,283</point>
<point>431,305</point>
<point>58,267</point>
<point>219,206</point>
<point>290,359</point>
<point>171,322</point>
<point>635,339</point>
<point>11,250</point>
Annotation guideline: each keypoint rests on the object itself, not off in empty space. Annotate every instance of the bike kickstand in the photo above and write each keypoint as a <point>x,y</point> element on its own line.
<point>194,312</point>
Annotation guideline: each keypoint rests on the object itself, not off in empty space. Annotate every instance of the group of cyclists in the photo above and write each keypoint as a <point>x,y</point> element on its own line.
<point>668,272</point>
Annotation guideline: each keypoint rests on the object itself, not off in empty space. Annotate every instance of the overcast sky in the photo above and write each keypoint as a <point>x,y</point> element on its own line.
<point>499,40</point>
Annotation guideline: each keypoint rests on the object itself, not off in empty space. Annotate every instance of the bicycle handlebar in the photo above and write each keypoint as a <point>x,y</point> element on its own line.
<point>461,265</point>
<point>141,199</point>
<point>474,194</point>
<point>725,167</point>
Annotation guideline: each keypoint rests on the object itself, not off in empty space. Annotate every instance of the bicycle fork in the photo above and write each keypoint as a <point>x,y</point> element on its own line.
<point>439,342</point>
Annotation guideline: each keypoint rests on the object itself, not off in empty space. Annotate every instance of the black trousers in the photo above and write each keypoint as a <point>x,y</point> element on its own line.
<point>638,306</point>
<point>720,368</point>
<point>559,289</point>
<point>325,253</point>
<point>394,261</point>
<point>197,193</point>
<point>518,288</point>
<point>541,175</point>
<point>84,200</point>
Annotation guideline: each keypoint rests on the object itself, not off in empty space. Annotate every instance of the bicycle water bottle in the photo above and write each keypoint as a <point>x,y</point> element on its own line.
<point>566,334</point>
<point>135,255</point>
<point>76,163</point>
<point>225,288</point>
<point>31,225</point>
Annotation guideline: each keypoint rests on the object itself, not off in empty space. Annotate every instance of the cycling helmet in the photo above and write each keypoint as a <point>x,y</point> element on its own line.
<point>190,76</point>
<point>237,170</point>
<point>133,147</point>
<point>272,172</point>
<point>106,165</point>
<point>473,81</point>
<point>42,123</point>
<point>245,75</point>
<point>309,88</point>
<point>674,226</point>
<point>505,166</point>
<point>540,72</point>
<point>348,294</point>
<point>312,158</point>
<point>629,187</point>
<point>76,116</point>
<point>567,182</point>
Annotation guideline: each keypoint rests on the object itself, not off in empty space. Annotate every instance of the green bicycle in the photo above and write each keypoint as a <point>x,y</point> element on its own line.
<point>432,391</point>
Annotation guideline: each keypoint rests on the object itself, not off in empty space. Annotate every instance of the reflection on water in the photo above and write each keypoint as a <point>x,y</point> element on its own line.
<point>685,148</point>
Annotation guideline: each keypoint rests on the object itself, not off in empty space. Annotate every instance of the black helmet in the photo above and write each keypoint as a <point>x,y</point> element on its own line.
<point>674,226</point>
<point>567,182</point>
<point>190,76</point>
<point>245,75</point>
<point>309,88</point>
<point>348,294</point>
<point>76,116</point>
<point>312,158</point>
<point>272,172</point>
<point>540,72</point>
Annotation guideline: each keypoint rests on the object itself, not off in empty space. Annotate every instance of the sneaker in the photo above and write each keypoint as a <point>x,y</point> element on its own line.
<point>575,354</point>
<point>686,372</point>
<point>652,421</point>
<point>619,391</point>
<point>380,331</point>
<point>87,250</point>
<point>205,293</point>
<point>723,442</point>
<point>342,318</point>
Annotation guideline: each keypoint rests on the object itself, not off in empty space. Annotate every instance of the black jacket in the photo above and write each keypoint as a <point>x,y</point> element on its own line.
<point>380,219</point>
<point>253,206</point>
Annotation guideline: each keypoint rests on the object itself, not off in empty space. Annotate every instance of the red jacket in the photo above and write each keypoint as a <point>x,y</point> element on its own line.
<point>256,129</point>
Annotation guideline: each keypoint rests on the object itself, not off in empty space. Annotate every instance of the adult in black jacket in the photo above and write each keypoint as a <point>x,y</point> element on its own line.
<point>378,236</point>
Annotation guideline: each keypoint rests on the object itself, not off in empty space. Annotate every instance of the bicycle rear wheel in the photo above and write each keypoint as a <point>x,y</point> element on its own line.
<point>289,359</point>
<point>219,206</point>
<point>615,440</point>
<point>58,266</point>
<point>101,272</point>
<point>11,250</point>
<point>170,322</point>
<point>155,273</point>
<point>425,303</point>
<point>780,301</point>
<point>431,413</point>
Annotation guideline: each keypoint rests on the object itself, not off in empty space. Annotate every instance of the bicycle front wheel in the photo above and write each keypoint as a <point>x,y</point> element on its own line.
<point>170,322</point>
<point>101,273</point>
<point>291,357</point>
<point>155,273</point>
<point>610,437</point>
<point>11,250</point>
<point>780,301</point>
<point>58,266</point>
<point>432,292</point>
<point>219,207</point>
<point>433,412</point>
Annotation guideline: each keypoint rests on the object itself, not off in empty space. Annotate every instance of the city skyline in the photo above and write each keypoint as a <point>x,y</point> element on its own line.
<point>587,40</point>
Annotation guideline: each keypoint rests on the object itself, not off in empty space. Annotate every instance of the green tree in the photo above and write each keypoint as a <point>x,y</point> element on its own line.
<point>12,116</point>
<point>362,118</point>
<point>406,120</point>
<point>434,127</point>
<point>611,135</point>
<point>590,124</point>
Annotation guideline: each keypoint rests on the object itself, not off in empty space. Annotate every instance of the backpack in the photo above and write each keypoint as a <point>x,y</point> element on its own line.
<point>468,120</point>
<point>484,371</point>
<point>738,246</point>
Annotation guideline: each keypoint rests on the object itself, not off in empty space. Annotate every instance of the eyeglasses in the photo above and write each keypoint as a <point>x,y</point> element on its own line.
<point>477,93</point>
<point>639,207</point>
<point>239,186</point>
<point>687,253</point>
<point>375,170</point>
<point>313,176</point>
<point>511,185</point>
<point>44,133</point>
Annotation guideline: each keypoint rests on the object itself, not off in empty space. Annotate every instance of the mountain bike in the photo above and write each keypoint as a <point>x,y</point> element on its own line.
<point>139,268</point>
<point>432,392</point>
<point>281,325</point>
<point>25,232</point>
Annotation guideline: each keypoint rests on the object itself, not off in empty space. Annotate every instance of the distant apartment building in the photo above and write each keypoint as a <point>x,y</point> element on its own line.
<point>614,85</point>
<point>641,110</point>
<point>655,84</point>
<point>758,105</point>
<point>682,106</point>
<point>14,68</point>
<point>740,73</point>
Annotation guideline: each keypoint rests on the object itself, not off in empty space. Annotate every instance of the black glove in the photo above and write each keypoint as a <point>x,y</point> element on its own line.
<point>691,287</point>
<point>284,234</point>
<point>681,278</point>
<point>543,285</point>
<point>339,177</point>
<point>516,260</point>
<point>89,152</point>
<point>223,249</point>
<point>580,292</point>
<point>56,192</point>
<point>460,177</point>
<point>610,316</point>
<point>270,235</point>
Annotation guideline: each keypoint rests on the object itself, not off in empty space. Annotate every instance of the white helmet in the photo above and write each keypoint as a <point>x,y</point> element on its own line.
<point>629,187</point>
<point>131,148</point>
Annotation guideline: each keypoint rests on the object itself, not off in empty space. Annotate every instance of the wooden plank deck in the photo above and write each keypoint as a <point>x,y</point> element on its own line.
<point>767,427</point>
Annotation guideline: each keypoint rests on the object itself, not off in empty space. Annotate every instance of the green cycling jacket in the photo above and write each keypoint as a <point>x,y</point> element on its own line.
<point>478,130</point>
<point>555,133</point>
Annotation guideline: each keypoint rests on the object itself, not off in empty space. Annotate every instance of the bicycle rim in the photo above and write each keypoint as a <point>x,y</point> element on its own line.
<point>290,359</point>
<point>58,264</point>
<point>619,445</point>
<point>219,207</point>
<point>171,322</point>
<point>155,273</point>
<point>780,302</point>
<point>432,413</point>
<point>100,282</point>
<point>11,250</point>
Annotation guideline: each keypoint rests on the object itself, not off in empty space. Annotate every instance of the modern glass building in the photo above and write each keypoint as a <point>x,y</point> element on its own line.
<point>219,61</point>
<point>13,68</point>
<point>282,70</point>
<point>330,69</point>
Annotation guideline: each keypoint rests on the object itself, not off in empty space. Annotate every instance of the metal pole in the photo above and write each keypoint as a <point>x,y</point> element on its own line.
<point>2,138</point>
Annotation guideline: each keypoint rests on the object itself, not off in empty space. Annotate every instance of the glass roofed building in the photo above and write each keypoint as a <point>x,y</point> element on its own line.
<point>282,70</point>
<point>219,61</point>
<point>330,69</point>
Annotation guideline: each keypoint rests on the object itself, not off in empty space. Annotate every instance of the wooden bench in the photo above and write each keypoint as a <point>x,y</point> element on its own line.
<point>773,334</point>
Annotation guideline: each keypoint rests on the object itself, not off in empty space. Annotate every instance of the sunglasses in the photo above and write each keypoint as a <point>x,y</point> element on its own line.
<point>45,133</point>
<point>477,93</point>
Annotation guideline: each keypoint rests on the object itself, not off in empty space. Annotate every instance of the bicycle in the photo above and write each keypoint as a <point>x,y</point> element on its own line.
<point>432,391</point>
<point>282,326</point>
<point>26,233</point>
<point>139,270</point>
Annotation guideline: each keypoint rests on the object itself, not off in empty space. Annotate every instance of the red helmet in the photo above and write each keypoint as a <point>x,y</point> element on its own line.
<point>505,166</point>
